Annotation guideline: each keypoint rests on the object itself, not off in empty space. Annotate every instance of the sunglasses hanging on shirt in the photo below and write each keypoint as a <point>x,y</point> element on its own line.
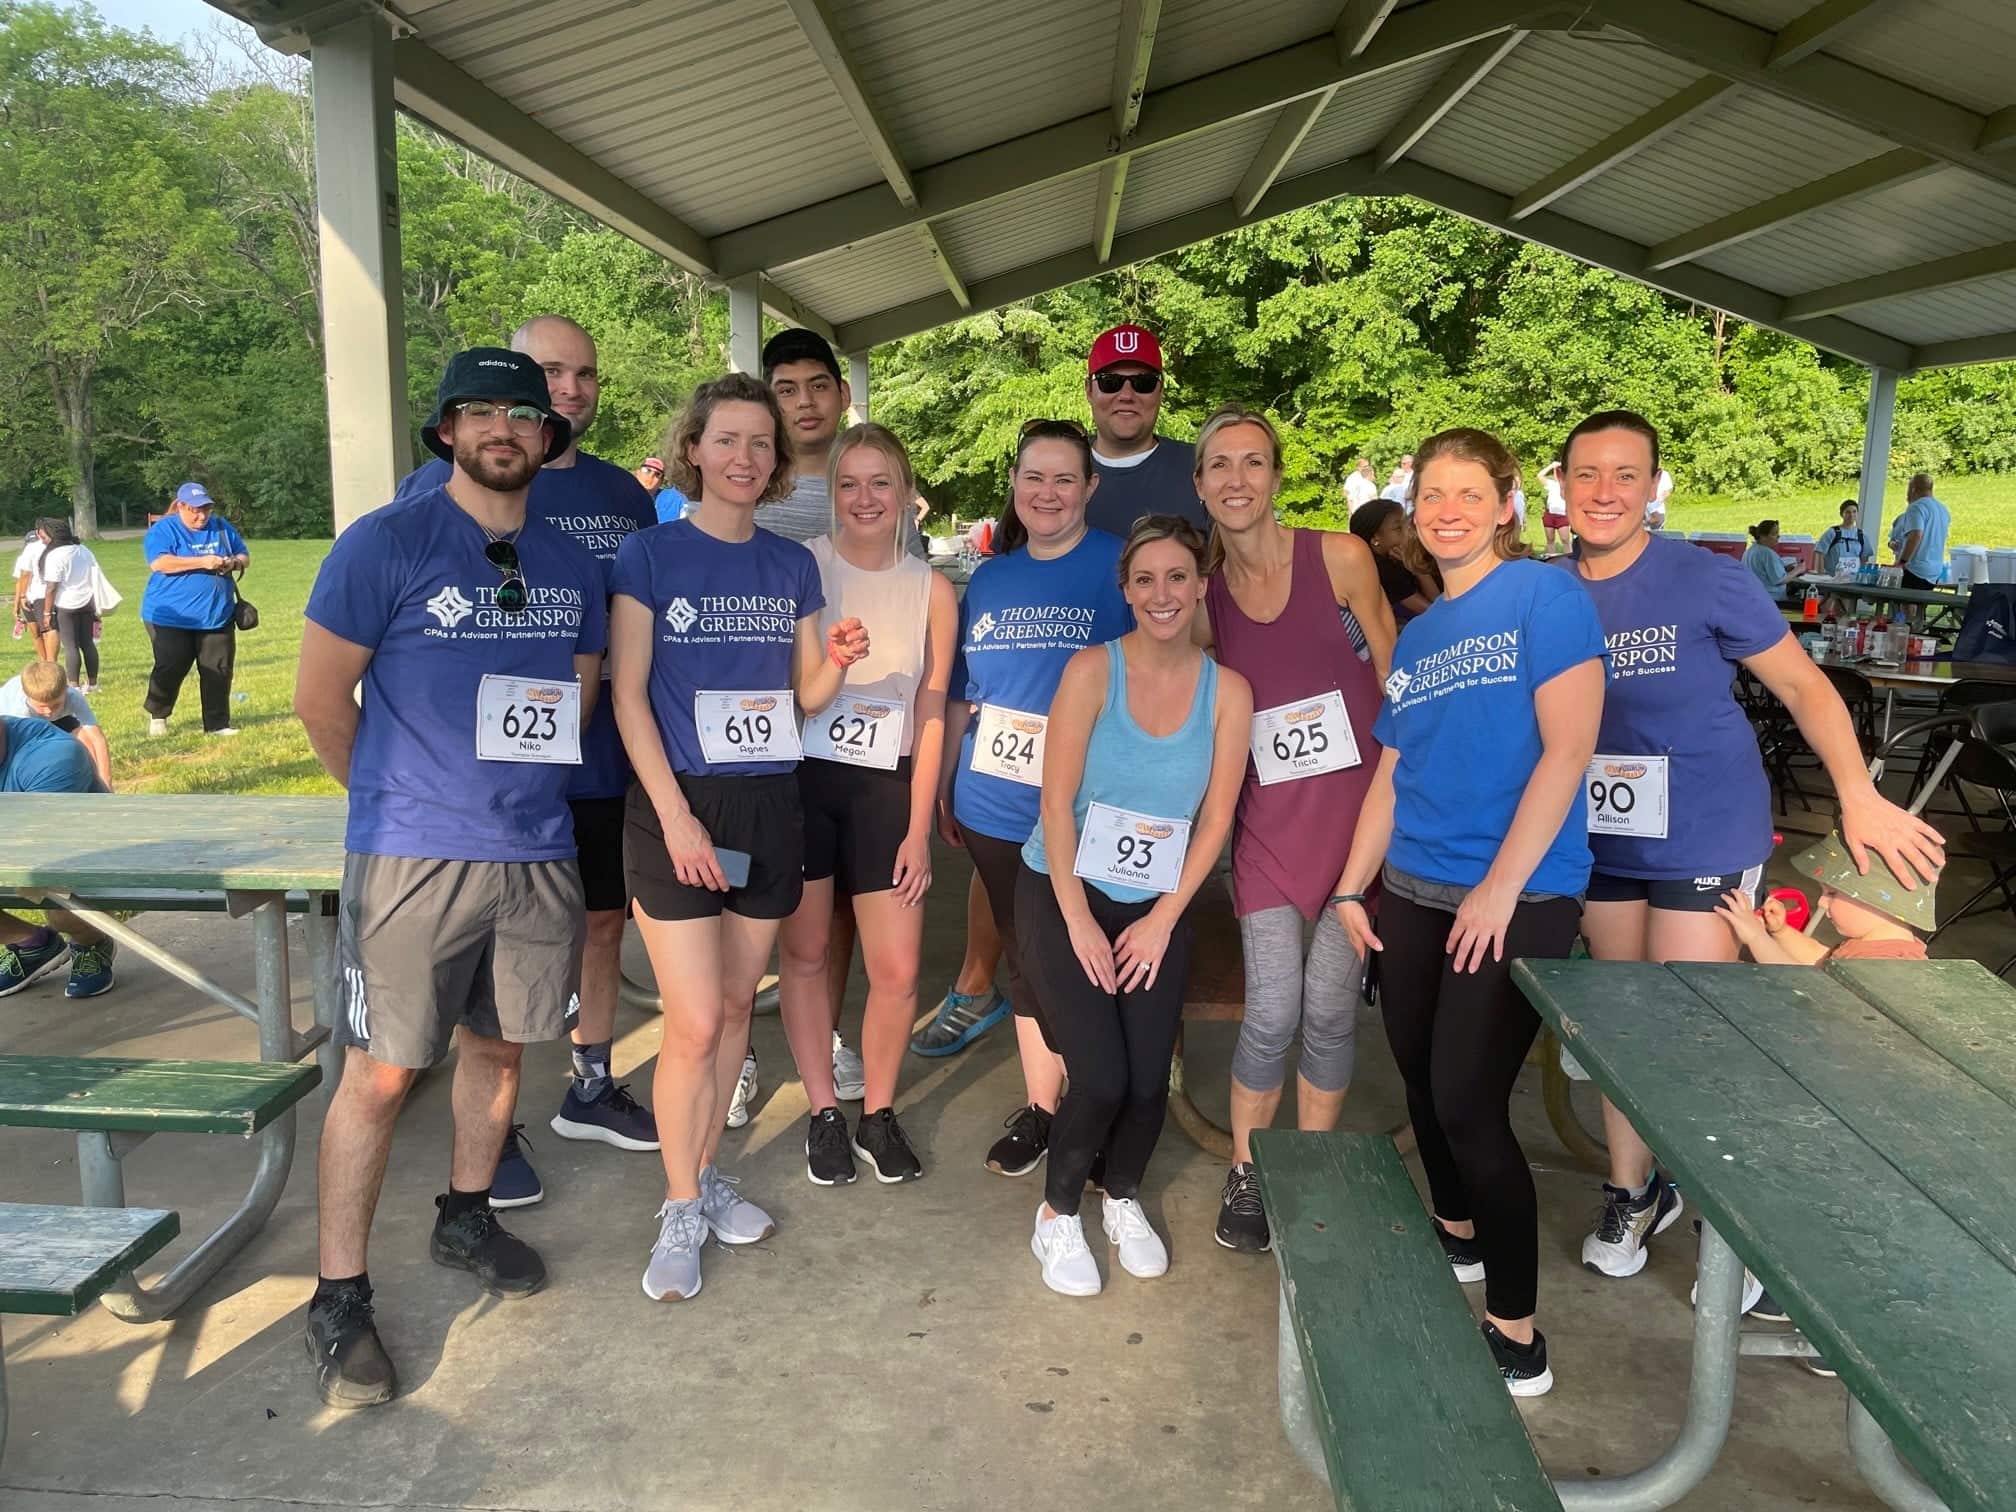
<point>511,594</point>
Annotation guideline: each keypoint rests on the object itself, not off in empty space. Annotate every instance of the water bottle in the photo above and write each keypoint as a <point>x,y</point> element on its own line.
<point>20,629</point>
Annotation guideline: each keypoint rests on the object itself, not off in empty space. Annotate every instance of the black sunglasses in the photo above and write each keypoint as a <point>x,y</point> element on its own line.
<point>511,595</point>
<point>1143,383</point>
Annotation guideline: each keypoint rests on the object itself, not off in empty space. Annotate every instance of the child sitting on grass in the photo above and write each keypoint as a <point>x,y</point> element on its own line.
<point>1877,917</point>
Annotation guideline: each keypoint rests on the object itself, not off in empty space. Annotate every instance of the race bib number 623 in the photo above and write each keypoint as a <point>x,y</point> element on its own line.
<point>520,719</point>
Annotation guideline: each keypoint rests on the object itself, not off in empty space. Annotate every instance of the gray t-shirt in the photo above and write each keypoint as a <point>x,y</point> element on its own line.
<point>1158,483</point>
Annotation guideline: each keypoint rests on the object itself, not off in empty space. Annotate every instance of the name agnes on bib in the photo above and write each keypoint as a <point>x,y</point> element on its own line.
<point>733,616</point>
<point>1475,661</point>
<point>1644,652</point>
<point>1059,624</point>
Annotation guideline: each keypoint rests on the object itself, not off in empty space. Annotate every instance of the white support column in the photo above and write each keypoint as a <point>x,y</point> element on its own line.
<point>857,380</point>
<point>1876,452</point>
<point>745,324</point>
<point>363,319</point>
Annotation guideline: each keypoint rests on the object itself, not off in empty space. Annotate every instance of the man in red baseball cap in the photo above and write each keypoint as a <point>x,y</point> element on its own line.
<point>1139,472</point>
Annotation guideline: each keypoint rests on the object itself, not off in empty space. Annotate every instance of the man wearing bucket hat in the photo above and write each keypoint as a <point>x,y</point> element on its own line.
<point>1140,473</point>
<point>477,631</point>
<point>1877,916</point>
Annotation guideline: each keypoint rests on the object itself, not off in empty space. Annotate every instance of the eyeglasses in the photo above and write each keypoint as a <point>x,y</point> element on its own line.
<point>1142,383</point>
<point>511,595</point>
<point>524,419</point>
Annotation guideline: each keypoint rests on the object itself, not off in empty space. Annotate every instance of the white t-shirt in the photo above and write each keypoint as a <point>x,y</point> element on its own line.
<point>1359,489</point>
<point>67,571</point>
<point>1401,485</point>
<point>14,703</point>
<point>1662,490</point>
<point>30,562</point>
<point>1557,502</point>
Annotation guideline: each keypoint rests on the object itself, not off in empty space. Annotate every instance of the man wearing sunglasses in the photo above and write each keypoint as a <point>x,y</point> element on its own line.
<point>598,505</point>
<point>477,630</point>
<point>1140,473</point>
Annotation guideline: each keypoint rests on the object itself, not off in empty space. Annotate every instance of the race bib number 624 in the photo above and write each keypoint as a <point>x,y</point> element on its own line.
<point>1008,743</point>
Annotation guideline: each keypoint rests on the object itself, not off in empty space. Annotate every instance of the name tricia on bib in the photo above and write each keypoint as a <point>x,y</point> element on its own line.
<point>747,725</point>
<point>863,732</point>
<point>1132,850</point>
<point>522,719</point>
<point>1009,744</point>
<point>1302,739</point>
<point>1627,796</point>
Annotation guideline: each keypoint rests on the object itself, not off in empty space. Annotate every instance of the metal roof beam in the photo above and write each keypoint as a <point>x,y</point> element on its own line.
<point>1167,115</point>
<point>1893,167</point>
<point>785,307</point>
<point>1807,34</point>
<point>444,96</point>
<point>1138,20</point>
<point>1661,121</point>
<point>815,20</point>
<point>1999,130</point>
<point>1472,66</point>
<point>1925,278</point>
<point>1359,23</point>
<point>1861,98</point>
<point>954,284</point>
<point>1999,347</point>
<point>1282,142</point>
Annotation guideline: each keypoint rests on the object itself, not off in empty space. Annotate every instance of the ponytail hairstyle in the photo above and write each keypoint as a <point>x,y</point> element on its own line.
<point>1762,529</point>
<point>1160,527</point>
<point>877,438</point>
<point>1224,418</point>
<point>1616,419</point>
<point>1488,452</point>
<point>1009,532</point>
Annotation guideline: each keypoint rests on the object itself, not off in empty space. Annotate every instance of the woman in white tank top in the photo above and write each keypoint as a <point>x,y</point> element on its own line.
<point>868,784</point>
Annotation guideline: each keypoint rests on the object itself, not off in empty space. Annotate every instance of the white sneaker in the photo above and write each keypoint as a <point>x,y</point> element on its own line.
<point>1068,1266</point>
<point>850,1080</point>
<point>227,730</point>
<point>674,1267</point>
<point>157,727</point>
<point>1617,1246</point>
<point>745,1093</point>
<point>1753,1293</point>
<point>1142,1252</point>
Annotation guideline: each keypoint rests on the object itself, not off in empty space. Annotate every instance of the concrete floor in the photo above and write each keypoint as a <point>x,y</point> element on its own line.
<point>890,1348</point>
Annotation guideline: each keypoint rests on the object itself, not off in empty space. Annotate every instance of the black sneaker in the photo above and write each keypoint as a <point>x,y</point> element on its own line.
<point>828,1160</point>
<point>1242,1222</point>
<point>351,1366</point>
<point>1464,1257</point>
<point>1524,1366</point>
<point>505,1265</point>
<point>880,1140</point>
<point>1768,1309</point>
<point>1018,1152</point>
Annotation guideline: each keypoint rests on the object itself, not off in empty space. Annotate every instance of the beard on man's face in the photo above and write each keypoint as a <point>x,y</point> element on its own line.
<point>493,469</point>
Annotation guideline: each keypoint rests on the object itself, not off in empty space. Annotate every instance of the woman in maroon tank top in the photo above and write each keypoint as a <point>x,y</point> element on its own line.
<point>1301,615</point>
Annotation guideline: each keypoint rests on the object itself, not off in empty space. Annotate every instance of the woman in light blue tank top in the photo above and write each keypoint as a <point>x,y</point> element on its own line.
<point>1141,772</point>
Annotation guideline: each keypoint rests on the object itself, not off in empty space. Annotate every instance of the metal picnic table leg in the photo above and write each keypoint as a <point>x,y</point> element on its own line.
<point>1711,1396</point>
<point>1298,1410</point>
<point>318,933</point>
<point>1893,1481</point>
<point>104,1180</point>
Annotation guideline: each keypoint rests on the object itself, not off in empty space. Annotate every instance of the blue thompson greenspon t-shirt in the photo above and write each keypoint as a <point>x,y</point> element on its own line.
<point>1459,711</point>
<point>410,583</point>
<point>1019,625</point>
<point>1676,623</point>
<point>724,617</point>
<point>190,600</point>
<point>598,505</point>
<point>43,759</point>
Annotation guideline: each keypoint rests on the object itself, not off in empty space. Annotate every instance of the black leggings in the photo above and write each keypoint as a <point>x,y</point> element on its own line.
<point>997,861</point>
<point>1459,1040</point>
<point>74,628</point>
<point>211,652</point>
<point>1116,1045</point>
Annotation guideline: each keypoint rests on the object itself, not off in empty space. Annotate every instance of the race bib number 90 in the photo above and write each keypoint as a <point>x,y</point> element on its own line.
<point>1295,740</point>
<point>747,726</point>
<point>1009,743</point>
<point>1133,850</point>
<point>519,719</point>
<point>1627,796</point>
<point>863,732</point>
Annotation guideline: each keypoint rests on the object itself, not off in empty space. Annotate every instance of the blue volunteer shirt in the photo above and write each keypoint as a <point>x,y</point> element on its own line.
<point>1676,623</point>
<point>671,505</point>
<point>1019,624</point>
<point>43,759</point>
<point>724,619</point>
<point>410,583</point>
<point>598,506</point>
<point>1459,711</point>
<point>189,600</point>
<point>1930,519</point>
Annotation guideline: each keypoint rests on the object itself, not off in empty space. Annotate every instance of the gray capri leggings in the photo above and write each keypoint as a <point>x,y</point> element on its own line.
<point>1283,990</point>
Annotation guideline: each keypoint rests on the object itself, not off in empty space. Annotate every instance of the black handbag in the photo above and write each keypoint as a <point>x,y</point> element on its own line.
<point>243,615</point>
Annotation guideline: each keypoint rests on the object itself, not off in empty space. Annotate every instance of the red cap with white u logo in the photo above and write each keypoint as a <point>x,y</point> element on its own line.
<point>1125,343</point>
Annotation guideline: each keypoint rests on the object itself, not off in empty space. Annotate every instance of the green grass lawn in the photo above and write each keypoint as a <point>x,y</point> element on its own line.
<point>1984,510</point>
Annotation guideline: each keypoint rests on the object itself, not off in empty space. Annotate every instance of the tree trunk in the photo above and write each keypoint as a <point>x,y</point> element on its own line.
<point>73,407</point>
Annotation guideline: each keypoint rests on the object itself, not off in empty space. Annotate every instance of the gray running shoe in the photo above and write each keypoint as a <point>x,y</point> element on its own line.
<point>674,1268</point>
<point>733,1219</point>
<point>960,1020</point>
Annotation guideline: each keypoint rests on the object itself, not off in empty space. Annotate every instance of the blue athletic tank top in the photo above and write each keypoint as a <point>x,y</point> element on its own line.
<point>1127,768</point>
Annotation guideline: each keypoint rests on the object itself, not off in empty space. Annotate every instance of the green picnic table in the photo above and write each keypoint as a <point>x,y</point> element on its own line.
<point>1849,1134</point>
<point>98,856</point>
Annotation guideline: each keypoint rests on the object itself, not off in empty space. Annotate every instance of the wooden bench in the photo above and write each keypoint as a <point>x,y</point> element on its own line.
<point>1388,1390</point>
<point>115,1103</point>
<point>55,1261</point>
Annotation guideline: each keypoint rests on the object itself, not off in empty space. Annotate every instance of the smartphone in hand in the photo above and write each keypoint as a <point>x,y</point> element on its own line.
<point>734,866</point>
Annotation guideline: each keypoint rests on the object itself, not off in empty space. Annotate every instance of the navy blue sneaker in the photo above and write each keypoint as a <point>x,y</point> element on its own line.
<point>516,1184</point>
<point>615,1118</point>
<point>961,1019</point>
<point>19,965</point>
<point>90,970</point>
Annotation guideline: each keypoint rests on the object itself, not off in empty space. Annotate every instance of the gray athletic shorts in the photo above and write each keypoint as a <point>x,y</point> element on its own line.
<point>426,945</point>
